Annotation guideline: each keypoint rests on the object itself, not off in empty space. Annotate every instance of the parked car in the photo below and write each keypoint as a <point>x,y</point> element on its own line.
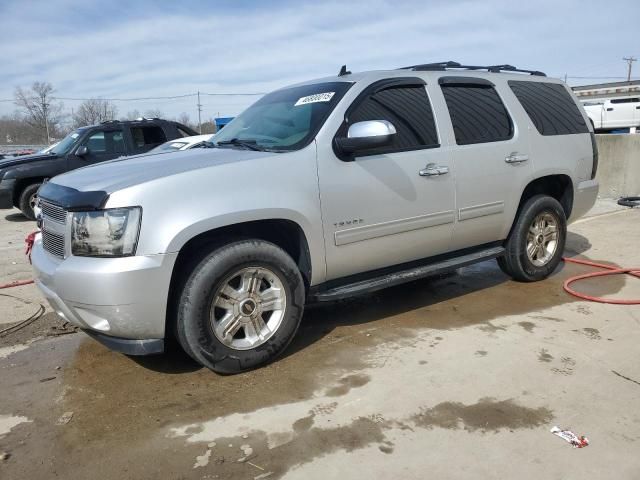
<point>21,177</point>
<point>184,143</point>
<point>317,192</point>
<point>613,113</point>
<point>49,148</point>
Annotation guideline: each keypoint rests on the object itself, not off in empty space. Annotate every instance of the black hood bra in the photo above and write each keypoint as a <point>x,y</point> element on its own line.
<point>72,199</point>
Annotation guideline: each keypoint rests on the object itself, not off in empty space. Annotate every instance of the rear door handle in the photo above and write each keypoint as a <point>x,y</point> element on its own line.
<point>609,109</point>
<point>516,157</point>
<point>433,170</point>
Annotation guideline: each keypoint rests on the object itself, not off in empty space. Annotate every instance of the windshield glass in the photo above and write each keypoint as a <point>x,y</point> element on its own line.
<point>66,143</point>
<point>284,120</point>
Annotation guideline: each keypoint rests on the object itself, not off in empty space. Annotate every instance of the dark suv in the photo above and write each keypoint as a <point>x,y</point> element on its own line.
<point>21,177</point>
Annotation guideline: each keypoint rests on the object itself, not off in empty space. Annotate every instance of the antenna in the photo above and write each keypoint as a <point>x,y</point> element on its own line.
<point>344,71</point>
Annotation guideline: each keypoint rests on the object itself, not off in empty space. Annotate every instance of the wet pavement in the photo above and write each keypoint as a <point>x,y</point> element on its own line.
<point>460,376</point>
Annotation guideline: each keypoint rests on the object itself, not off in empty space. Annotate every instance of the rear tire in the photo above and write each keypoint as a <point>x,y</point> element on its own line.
<point>240,306</point>
<point>536,242</point>
<point>27,200</point>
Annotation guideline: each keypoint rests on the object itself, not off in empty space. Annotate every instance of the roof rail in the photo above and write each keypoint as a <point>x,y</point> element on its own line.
<point>441,66</point>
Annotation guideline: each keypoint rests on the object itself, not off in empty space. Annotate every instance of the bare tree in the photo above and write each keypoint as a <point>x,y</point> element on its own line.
<point>39,108</point>
<point>184,119</point>
<point>94,111</point>
<point>153,113</point>
<point>132,115</point>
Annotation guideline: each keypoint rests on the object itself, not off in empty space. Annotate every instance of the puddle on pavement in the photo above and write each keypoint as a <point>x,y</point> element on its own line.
<point>486,415</point>
<point>115,397</point>
<point>171,387</point>
<point>307,441</point>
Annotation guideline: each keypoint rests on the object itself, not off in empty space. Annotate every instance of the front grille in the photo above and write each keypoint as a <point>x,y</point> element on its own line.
<point>54,244</point>
<point>53,212</point>
<point>54,220</point>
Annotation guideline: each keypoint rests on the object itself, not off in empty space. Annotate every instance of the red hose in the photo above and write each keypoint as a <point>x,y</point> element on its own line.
<point>608,270</point>
<point>17,283</point>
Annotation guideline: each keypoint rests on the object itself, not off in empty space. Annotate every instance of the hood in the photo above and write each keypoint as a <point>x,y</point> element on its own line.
<point>129,171</point>
<point>10,162</point>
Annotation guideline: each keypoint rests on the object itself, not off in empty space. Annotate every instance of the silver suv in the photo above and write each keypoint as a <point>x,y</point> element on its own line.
<point>319,191</point>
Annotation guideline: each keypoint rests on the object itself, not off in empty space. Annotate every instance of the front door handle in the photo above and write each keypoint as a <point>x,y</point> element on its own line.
<point>516,157</point>
<point>433,170</point>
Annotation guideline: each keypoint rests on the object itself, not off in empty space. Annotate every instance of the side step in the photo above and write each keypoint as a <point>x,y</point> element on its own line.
<point>400,276</point>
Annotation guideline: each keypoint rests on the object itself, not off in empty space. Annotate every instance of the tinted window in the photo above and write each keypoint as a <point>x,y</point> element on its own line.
<point>477,114</point>
<point>550,107</point>
<point>408,109</point>
<point>626,100</point>
<point>106,142</point>
<point>147,137</point>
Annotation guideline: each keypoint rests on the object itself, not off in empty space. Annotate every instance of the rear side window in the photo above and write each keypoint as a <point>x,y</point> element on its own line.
<point>477,113</point>
<point>408,109</point>
<point>550,107</point>
<point>147,137</point>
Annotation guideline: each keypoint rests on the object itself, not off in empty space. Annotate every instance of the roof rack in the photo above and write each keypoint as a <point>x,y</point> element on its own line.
<point>441,66</point>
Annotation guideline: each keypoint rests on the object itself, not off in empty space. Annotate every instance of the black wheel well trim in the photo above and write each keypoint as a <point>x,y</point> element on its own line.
<point>558,186</point>
<point>284,233</point>
<point>22,183</point>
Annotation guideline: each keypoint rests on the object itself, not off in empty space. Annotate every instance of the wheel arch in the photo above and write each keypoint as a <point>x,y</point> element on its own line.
<point>558,186</point>
<point>21,184</point>
<point>285,233</point>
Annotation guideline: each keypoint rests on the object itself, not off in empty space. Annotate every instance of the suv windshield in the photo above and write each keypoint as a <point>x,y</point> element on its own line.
<point>66,143</point>
<point>285,119</point>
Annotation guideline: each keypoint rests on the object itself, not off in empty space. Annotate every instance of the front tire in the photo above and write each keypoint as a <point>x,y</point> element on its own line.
<point>28,199</point>
<point>240,307</point>
<point>536,242</point>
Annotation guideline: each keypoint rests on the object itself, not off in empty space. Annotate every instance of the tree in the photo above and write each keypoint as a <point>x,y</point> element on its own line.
<point>184,119</point>
<point>39,108</point>
<point>93,111</point>
<point>153,113</point>
<point>132,115</point>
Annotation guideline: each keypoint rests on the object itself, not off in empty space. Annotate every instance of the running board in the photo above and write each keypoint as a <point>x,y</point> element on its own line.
<point>400,276</point>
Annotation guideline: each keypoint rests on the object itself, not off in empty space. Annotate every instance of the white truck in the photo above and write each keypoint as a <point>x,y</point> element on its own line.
<point>614,113</point>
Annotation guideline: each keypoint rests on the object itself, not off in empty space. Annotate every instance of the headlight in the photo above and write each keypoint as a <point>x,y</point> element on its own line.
<point>105,233</point>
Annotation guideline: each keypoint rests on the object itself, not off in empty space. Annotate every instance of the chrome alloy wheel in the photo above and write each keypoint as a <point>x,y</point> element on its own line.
<point>248,308</point>
<point>33,200</point>
<point>542,239</point>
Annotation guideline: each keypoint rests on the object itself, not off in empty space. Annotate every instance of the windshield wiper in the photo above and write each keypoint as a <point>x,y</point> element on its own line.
<point>248,144</point>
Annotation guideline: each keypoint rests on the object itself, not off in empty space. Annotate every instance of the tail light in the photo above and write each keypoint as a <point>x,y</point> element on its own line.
<point>594,148</point>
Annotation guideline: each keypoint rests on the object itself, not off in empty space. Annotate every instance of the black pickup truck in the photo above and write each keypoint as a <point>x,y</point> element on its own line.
<point>20,177</point>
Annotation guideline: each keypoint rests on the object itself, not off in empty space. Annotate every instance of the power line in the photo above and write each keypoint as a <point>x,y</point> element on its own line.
<point>133,99</point>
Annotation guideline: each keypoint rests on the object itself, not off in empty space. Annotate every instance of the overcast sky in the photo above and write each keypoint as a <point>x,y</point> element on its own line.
<point>151,48</point>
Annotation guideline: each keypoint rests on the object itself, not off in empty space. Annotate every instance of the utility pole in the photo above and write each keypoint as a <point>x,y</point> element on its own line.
<point>45,105</point>
<point>199,114</point>
<point>629,61</point>
<point>565,78</point>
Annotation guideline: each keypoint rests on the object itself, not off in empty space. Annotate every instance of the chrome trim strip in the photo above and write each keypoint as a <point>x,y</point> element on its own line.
<point>368,232</point>
<point>483,210</point>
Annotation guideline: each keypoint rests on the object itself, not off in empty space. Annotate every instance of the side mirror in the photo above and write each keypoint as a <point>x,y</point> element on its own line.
<point>82,151</point>
<point>367,135</point>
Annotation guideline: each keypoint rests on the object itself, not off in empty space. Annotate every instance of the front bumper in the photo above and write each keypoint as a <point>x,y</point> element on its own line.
<point>584,197</point>
<point>6,193</point>
<point>122,302</point>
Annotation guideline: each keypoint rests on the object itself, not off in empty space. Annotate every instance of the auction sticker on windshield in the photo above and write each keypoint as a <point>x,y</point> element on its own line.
<point>317,97</point>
